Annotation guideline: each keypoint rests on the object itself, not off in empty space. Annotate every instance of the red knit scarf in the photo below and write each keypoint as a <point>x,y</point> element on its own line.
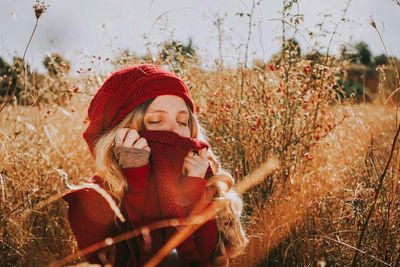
<point>168,151</point>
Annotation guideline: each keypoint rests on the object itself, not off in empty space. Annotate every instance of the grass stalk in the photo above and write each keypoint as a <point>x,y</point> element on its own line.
<point>377,191</point>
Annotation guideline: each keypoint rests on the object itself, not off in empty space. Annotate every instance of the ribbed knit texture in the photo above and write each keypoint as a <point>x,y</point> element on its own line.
<point>153,191</point>
<point>168,151</point>
<point>123,91</point>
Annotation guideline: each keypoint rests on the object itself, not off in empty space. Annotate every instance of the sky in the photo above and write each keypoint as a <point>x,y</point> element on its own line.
<point>79,30</point>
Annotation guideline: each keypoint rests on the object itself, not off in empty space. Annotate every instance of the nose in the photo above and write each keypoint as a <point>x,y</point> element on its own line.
<point>174,127</point>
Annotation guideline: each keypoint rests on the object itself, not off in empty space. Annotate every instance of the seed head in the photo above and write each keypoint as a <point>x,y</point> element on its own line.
<point>372,22</point>
<point>39,8</point>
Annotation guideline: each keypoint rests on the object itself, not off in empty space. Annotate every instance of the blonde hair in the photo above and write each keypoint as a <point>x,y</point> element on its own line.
<point>232,239</point>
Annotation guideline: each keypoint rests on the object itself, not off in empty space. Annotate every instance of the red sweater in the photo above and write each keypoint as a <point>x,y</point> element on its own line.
<point>92,220</point>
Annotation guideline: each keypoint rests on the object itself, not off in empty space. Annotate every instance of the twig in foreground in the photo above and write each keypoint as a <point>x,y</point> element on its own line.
<point>377,191</point>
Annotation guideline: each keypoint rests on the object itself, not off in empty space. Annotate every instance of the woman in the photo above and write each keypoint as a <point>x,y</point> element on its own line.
<point>150,158</point>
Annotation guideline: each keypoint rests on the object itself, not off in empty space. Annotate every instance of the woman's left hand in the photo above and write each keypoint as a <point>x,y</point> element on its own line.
<point>195,163</point>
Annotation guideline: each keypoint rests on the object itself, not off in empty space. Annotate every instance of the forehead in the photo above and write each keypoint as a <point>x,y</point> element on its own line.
<point>168,103</point>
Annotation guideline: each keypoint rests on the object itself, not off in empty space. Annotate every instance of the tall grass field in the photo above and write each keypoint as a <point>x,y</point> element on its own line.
<point>331,198</point>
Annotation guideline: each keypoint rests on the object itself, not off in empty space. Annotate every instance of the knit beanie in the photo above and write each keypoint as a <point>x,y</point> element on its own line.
<point>126,89</point>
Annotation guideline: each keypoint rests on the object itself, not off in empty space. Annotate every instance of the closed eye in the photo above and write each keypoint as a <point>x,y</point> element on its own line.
<point>183,123</point>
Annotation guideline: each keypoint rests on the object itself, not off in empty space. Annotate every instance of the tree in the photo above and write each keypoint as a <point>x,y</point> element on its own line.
<point>10,77</point>
<point>364,54</point>
<point>56,64</point>
<point>359,54</point>
<point>177,53</point>
<point>381,60</point>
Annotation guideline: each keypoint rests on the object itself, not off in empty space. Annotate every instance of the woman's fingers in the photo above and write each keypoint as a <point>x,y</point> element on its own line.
<point>195,164</point>
<point>142,144</point>
<point>203,153</point>
<point>130,138</point>
<point>120,136</point>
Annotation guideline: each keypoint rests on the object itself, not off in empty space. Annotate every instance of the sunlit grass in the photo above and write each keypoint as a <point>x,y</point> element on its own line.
<point>302,207</point>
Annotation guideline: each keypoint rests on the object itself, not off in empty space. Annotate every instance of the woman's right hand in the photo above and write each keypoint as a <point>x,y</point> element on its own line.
<point>127,137</point>
<point>130,149</point>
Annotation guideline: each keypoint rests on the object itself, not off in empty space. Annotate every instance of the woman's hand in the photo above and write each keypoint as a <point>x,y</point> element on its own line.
<point>130,138</point>
<point>130,149</point>
<point>195,163</point>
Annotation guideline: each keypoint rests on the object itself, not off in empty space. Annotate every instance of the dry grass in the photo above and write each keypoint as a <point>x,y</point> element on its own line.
<point>310,221</point>
<point>309,210</point>
<point>33,151</point>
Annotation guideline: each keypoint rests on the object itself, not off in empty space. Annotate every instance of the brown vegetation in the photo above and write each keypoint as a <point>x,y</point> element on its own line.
<point>309,210</point>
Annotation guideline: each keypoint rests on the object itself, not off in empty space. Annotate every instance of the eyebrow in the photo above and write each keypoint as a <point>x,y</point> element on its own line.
<point>164,111</point>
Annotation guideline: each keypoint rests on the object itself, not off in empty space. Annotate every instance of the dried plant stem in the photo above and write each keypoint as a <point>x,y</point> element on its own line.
<point>247,49</point>
<point>3,195</point>
<point>392,65</point>
<point>335,30</point>
<point>198,217</point>
<point>181,235</point>
<point>110,241</point>
<point>246,54</point>
<point>377,191</point>
<point>30,39</point>
<point>20,68</point>
<point>356,249</point>
<point>398,259</point>
<point>392,201</point>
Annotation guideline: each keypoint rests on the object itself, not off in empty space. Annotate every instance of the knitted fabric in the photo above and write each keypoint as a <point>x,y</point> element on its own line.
<point>164,199</point>
<point>123,91</point>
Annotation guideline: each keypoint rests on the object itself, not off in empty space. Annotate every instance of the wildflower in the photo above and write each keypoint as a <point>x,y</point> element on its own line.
<point>307,69</point>
<point>39,8</point>
<point>363,172</point>
<point>271,68</point>
<point>308,156</point>
<point>258,122</point>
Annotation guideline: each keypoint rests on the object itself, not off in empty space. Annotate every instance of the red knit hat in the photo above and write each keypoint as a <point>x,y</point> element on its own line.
<point>123,91</point>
